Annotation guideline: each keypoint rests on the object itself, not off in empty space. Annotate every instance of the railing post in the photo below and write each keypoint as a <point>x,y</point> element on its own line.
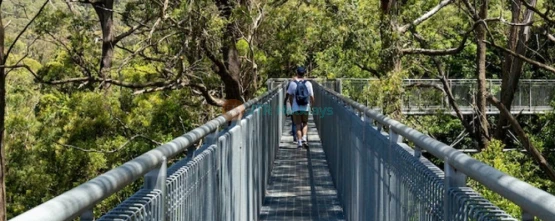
<point>408,97</point>
<point>339,85</point>
<point>394,138</point>
<point>526,216</point>
<point>530,96</point>
<point>282,110</point>
<point>394,205</point>
<point>87,215</point>
<point>417,152</point>
<point>156,180</point>
<point>453,179</point>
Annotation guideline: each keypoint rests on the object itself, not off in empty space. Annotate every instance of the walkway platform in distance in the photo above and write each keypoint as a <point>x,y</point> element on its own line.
<point>301,187</point>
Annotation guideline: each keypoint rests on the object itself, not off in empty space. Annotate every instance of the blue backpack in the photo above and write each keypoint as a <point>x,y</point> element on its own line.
<point>301,94</point>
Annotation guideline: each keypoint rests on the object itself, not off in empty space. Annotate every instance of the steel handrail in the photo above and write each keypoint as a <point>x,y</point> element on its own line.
<point>76,201</point>
<point>533,200</point>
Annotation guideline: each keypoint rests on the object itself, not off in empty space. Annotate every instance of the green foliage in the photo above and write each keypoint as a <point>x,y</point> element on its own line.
<point>60,136</point>
<point>514,163</point>
<point>242,46</point>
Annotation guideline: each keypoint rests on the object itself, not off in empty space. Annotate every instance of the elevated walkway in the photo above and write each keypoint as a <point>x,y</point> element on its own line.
<point>301,186</point>
<point>361,165</point>
<point>427,97</point>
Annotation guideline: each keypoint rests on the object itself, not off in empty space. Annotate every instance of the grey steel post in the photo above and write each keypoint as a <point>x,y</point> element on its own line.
<point>417,155</point>
<point>339,85</point>
<point>453,178</point>
<point>156,180</point>
<point>519,97</point>
<point>526,216</point>
<point>282,109</point>
<point>417,151</point>
<point>367,119</point>
<point>409,97</point>
<point>530,96</point>
<point>391,180</point>
<point>87,215</point>
<point>394,138</point>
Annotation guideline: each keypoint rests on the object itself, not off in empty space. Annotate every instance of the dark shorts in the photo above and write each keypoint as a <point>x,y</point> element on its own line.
<point>300,117</point>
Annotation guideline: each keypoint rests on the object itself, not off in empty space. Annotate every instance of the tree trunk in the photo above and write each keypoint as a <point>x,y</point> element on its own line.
<point>233,66</point>
<point>532,151</point>
<point>512,67</point>
<point>230,75</point>
<point>481,102</point>
<point>390,64</point>
<point>104,10</point>
<point>3,197</point>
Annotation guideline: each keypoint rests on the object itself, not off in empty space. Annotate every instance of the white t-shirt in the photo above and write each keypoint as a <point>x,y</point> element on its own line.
<point>293,88</point>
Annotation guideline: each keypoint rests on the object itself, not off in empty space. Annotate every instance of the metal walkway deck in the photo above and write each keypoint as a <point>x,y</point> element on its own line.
<point>301,187</point>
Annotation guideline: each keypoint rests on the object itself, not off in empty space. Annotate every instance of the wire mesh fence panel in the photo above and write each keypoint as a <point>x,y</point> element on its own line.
<point>143,205</point>
<point>427,96</point>
<point>378,179</point>
<point>224,179</point>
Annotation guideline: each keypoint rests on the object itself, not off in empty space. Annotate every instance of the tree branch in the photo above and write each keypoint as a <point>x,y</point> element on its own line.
<point>436,52</point>
<point>24,30</point>
<point>425,16</point>
<point>369,69</point>
<point>162,88</point>
<point>158,86</point>
<point>534,9</point>
<point>455,106</point>
<point>530,61</point>
<point>94,79</point>
<point>111,151</point>
<point>207,96</point>
<point>77,58</point>
<point>446,87</point>
<point>203,91</point>
<point>536,155</point>
<point>125,34</point>
<point>549,36</point>
<point>472,10</point>
<point>424,85</point>
<point>214,59</point>
<point>502,20</point>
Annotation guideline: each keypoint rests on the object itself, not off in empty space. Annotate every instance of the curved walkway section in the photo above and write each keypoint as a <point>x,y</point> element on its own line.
<point>301,187</point>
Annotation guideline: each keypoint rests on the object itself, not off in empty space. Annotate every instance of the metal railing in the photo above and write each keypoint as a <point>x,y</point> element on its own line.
<point>378,177</point>
<point>532,96</point>
<point>427,96</point>
<point>224,180</point>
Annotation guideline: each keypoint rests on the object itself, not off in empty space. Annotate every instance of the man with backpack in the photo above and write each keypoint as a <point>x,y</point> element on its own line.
<point>301,96</point>
<point>290,111</point>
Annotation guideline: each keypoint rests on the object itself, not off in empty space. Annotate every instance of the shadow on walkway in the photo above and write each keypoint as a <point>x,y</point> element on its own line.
<point>301,187</point>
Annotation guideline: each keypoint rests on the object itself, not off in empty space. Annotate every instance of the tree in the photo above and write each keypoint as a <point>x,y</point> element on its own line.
<point>4,56</point>
<point>2,122</point>
<point>392,50</point>
<point>479,16</point>
<point>513,66</point>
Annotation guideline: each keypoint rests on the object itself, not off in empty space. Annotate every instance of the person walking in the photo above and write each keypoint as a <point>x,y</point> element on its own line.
<point>301,96</point>
<point>290,111</point>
